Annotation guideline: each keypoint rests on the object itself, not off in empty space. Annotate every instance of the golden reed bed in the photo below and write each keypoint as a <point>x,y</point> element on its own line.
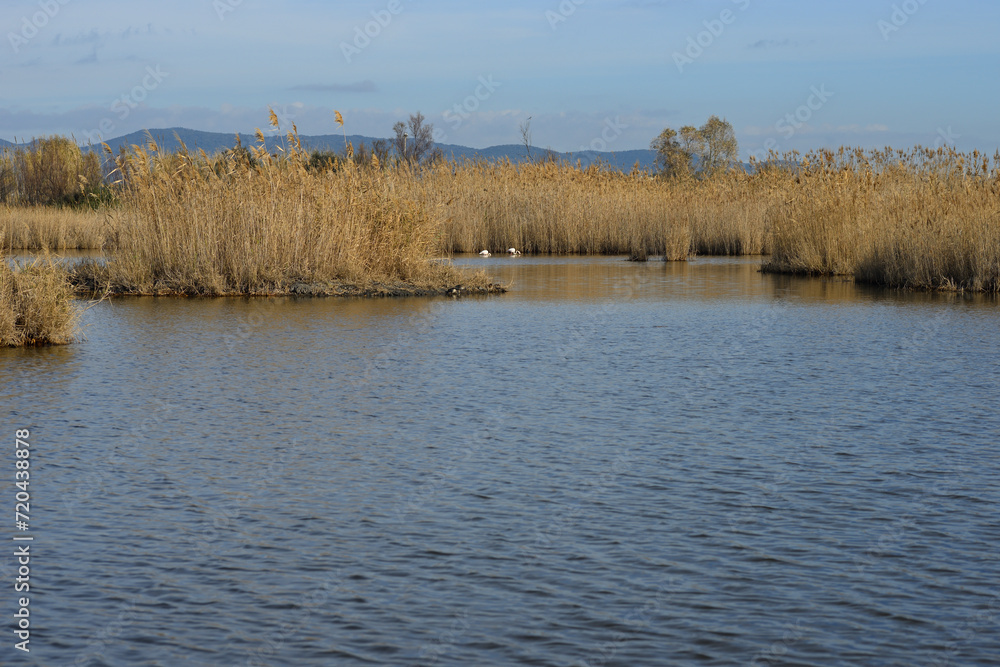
<point>50,228</point>
<point>246,221</point>
<point>559,208</point>
<point>927,219</point>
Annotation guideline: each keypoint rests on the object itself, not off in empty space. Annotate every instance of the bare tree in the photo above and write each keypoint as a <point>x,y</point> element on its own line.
<point>525,128</point>
<point>381,149</point>
<point>414,140</point>
<point>399,141</point>
<point>7,177</point>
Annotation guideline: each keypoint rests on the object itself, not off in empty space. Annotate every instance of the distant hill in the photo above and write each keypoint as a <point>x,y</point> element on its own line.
<point>213,142</point>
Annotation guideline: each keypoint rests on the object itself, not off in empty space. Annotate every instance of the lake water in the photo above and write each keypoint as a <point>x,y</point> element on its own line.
<point>612,464</point>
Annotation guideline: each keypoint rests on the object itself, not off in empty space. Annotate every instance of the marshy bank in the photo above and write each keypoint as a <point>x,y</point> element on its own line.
<point>243,222</point>
<point>248,222</point>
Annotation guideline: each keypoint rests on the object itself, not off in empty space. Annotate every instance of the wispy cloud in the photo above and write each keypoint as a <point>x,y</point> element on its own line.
<point>89,59</point>
<point>95,36</point>
<point>366,86</point>
<point>857,129</point>
<point>773,44</point>
<point>92,37</point>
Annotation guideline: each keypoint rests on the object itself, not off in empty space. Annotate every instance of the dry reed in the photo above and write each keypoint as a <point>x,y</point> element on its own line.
<point>539,208</point>
<point>36,305</point>
<point>728,212</point>
<point>50,228</point>
<point>552,208</point>
<point>251,223</point>
<point>926,219</point>
<point>562,208</point>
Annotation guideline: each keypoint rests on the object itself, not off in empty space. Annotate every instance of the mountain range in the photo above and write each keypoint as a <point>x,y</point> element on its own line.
<point>212,142</point>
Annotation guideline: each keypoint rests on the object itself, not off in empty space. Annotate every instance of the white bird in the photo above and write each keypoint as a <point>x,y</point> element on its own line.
<point>485,253</point>
<point>513,251</point>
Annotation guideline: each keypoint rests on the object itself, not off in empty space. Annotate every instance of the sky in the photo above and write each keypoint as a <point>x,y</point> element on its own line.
<point>590,74</point>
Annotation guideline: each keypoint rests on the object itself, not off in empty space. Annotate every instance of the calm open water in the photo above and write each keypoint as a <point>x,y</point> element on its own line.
<point>612,464</point>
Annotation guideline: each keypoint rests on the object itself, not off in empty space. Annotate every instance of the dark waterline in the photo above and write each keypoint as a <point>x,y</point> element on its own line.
<point>612,464</point>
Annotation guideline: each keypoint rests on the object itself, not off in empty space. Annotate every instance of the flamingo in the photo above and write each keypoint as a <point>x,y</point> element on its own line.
<point>484,253</point>
<point>513,251</point>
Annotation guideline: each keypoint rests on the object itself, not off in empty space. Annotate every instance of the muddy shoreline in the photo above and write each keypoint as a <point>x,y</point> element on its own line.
<point>298,289</point>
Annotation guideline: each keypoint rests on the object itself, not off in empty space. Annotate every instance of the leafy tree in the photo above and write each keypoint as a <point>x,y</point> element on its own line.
<point>719,147</point>
<point>693,144</point>
<point>51,170</point>
<point>672,158</point>
<point>323,161</point>
<point>711,147</point>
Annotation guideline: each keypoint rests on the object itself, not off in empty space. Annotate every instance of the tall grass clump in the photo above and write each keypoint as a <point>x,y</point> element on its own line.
<point>36,305</point>
<point>728,211</point>
<point>248,222</point>
<point>926,219</point>
<point>552,208</point>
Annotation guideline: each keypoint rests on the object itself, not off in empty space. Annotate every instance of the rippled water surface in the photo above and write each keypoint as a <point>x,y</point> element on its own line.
<point>612,464</point>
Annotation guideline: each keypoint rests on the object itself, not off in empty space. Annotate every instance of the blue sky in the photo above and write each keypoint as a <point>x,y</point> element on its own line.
<point>603,74</point>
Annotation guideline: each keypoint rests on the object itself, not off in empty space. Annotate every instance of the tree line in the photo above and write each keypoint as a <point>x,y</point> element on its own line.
<point>54,170</point>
